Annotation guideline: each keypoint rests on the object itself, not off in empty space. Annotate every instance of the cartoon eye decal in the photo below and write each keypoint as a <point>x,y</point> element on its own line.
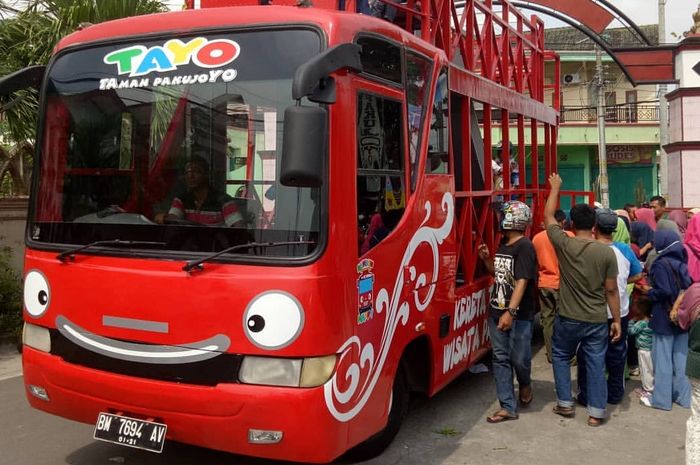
<point>37,293</point>
<point>273,320</point>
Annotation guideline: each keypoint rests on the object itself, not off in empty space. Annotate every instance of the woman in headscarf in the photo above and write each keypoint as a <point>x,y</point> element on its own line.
<point>622,233</point>
<point>646,216</point>
<point>680,218</point>
<point>643,238</point>
<point>668,276</point>
<point>662,225</point>
<point>692,246</point>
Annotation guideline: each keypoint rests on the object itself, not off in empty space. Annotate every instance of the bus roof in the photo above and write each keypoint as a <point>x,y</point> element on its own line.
<point>341,26</point>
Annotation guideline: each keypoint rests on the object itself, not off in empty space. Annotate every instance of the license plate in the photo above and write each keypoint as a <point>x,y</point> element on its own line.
<point>130,432</point>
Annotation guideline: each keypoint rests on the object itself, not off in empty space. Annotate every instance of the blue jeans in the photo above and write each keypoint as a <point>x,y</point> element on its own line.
<point>615,358</point>
<point>669,355</point>
<point>593,338</point>
<point>512,351</point>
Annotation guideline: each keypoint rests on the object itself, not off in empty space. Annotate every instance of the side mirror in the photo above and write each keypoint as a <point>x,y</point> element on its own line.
<point>312,79</point>
<point>306,128</point>
<point>304,146</point>
<point>31,76</point>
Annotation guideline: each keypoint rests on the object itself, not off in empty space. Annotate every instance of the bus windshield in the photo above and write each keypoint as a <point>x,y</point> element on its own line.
<point>175,141</point>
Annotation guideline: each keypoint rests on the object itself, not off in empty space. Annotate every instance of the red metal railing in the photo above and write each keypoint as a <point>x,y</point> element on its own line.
<point>498,57</point>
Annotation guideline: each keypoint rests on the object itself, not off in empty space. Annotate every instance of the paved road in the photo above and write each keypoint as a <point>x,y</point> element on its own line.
<point>449,429</point>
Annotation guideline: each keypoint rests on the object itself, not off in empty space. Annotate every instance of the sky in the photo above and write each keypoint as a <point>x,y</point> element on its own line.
<point>678,14</point>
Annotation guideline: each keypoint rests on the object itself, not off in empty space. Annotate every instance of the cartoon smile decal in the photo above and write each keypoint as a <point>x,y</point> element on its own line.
<point>133,352</point>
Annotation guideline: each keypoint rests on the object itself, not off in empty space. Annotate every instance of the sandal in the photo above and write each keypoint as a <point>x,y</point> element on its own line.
<point>525,395</point>
<point>567,412</point>
<point>500,416</point>
<point>595,422</point>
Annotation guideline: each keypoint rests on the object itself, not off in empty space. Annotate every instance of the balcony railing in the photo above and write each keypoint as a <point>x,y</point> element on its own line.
<point>628,113</point>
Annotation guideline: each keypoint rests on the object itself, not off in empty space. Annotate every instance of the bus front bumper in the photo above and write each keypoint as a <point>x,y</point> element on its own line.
<point>218,417</point>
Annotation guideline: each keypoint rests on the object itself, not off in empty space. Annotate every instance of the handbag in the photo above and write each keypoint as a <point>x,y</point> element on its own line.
<point>673,314</point>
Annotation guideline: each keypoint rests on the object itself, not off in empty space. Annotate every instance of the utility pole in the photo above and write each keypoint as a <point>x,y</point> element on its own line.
<point>602,155</point>
<point>663,112</point>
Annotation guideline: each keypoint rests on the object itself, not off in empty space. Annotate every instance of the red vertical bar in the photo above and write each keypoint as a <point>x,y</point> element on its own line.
<point>521,152</point>
<point>425,23</point>
<point>555,159</point>
<point>446,29</point>
<point>469,35</point>
<point>534,153</point>
<point>487,40</point>
<point>505,47</point>
<point>547,152</point>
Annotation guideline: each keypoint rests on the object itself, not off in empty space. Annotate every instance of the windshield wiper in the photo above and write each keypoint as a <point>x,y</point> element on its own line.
<point>70,253</point>
<point>192,264</point>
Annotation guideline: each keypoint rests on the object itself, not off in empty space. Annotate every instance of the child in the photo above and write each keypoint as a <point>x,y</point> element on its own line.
<point>643,336</point>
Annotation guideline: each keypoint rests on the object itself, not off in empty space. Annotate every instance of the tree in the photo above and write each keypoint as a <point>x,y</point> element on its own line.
<point>28,37</point>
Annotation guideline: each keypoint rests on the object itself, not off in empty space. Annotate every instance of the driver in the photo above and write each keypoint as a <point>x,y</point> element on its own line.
<point>200,202</point>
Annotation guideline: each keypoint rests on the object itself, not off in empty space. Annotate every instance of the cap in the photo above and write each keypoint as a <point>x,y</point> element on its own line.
<point>605,220</point>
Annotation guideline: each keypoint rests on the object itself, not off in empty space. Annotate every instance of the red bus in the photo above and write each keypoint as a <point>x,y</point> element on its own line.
<point>254,228</point>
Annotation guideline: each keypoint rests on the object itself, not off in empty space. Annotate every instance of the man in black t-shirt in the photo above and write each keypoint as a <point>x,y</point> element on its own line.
<point>512,310</point>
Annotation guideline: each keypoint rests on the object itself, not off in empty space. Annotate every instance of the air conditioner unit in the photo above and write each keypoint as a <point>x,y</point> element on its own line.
<point>573,78</point>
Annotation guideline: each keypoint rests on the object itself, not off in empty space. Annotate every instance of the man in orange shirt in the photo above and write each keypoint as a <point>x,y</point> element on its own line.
<point>548,281</point>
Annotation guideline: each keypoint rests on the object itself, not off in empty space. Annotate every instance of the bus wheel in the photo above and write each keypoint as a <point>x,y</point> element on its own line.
<point>376,444</point>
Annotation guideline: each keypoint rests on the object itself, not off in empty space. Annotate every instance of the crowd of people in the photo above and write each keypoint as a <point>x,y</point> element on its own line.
<point>618,294</point>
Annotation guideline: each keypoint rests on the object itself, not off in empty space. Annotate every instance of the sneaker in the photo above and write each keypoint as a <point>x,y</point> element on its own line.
<point>645,401</point>
<point>642,392</point>
<point>634,371</point>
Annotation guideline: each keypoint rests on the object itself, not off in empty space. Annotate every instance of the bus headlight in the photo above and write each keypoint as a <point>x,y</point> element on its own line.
<point>317,370</point>
<point>270,371</point>
<point>291,372</point>
<point>36,337</point>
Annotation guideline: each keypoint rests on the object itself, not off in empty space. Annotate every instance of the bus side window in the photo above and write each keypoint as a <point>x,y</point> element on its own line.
<point>438,148</point>
<point>417,92</point>
<point>381,194</point>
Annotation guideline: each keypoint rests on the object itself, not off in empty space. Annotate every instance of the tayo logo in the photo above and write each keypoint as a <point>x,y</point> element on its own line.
<point>138,60</point>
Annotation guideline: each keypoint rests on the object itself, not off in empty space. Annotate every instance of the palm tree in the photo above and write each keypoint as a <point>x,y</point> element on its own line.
<point>27,37</point>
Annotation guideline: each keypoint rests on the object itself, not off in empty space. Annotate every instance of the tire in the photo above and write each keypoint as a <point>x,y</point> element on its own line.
<point>376,444</point>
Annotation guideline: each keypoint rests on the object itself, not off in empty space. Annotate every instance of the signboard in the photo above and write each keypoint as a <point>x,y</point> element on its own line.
<point>629,154</point>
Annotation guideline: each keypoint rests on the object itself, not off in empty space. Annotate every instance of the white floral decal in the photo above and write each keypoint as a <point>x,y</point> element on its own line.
<point>362,373</point>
